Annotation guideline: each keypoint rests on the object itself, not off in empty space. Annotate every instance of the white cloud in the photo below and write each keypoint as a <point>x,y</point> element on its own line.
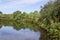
<point>13,3</point>
<point>30,1</point>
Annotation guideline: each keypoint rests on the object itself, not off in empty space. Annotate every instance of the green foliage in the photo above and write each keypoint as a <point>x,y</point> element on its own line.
<point>48,18</point>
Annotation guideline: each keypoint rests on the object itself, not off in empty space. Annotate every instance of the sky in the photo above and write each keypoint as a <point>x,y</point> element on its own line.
<point>9,6</point>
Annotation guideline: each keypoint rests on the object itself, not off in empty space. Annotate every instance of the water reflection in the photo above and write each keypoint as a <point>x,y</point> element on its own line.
<point>22,31</point>
<point>9,33</point>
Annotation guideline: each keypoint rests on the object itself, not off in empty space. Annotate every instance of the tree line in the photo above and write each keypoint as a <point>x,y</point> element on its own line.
<point>48,18</point>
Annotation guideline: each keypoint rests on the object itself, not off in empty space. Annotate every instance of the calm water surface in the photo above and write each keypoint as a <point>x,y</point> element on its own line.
<point>9,33</point>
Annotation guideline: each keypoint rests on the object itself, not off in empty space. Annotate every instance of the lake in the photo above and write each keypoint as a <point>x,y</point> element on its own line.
<point>18,31</point>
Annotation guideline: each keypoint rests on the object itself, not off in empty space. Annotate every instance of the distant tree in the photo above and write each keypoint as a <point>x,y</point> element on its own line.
<point>16,13</point>
<point>35,11</point>
<point>0,12</point>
